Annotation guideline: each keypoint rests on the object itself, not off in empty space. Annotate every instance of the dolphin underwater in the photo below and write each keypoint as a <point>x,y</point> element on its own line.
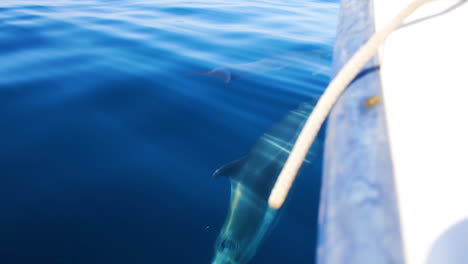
<point>279,61</point>
<point>252,177</point>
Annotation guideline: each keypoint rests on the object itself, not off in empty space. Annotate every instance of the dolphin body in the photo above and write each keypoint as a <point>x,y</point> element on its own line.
<point>279,61</point>
<point>252,177</point>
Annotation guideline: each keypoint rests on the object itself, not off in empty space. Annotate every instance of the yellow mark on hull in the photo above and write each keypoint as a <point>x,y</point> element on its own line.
<point>372,101</point>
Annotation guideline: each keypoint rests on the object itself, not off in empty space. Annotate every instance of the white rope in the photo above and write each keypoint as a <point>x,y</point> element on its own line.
<point>327,100</point>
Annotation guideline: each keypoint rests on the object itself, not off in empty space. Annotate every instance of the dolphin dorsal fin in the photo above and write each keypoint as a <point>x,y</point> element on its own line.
<point>230,169</point>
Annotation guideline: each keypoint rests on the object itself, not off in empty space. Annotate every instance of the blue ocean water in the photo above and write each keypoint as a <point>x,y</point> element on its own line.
<point>112,123</point>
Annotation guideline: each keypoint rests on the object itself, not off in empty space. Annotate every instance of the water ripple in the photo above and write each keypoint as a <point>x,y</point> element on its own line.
<point>110,109</point>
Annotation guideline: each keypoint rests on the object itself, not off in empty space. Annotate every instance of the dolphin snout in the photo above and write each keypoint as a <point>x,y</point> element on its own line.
<point>222,259</point>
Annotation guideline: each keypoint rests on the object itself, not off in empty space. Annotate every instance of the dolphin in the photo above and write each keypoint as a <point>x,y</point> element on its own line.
<point>279,61</point>
<point>252,177</point>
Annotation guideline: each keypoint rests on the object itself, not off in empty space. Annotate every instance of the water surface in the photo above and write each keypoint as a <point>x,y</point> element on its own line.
<point>110,131</point>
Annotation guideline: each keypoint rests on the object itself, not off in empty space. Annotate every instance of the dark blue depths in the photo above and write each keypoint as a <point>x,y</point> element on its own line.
<point>110,127</point>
